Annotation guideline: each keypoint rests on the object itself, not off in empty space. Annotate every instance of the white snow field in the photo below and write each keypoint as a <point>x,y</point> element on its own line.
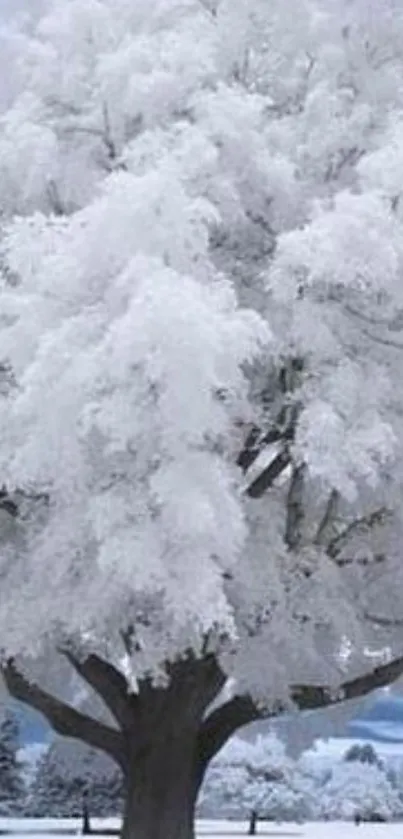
<point>214,829</point>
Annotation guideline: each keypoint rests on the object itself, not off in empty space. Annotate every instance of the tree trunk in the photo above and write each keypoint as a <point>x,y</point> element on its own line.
<point>161,790</point>
<point>167,754</point>
<point>86,829</point>
<point>252,823</point>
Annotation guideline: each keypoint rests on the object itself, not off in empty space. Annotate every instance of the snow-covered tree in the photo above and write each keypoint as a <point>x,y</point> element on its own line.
<point>12,784</point>
<point>363,753</point>
<point>201,390</point>
<point>51,794</point>
<point>67,773</point>
<point>257,780</point>
<point>359,789</point>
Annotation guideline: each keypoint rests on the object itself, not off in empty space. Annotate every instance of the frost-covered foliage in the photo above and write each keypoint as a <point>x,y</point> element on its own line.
<point>359,789</point>
<point>201,253</point>
<point>363,753</point>
<point>257,778</point>
<point>12,783</point>
<point>66,775</point>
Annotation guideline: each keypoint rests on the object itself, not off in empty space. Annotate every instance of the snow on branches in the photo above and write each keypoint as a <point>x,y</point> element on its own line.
<point>199,421</point>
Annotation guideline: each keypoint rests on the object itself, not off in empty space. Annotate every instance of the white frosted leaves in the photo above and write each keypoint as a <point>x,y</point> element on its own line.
<point>347,259</point>
<point>127,397</point>
<point>352,242</point>
<point>343,435</point>
<point>164,172</point>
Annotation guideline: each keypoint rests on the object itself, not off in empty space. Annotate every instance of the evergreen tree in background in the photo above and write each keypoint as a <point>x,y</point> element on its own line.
<point>66,773</point>
<point>12,786</point>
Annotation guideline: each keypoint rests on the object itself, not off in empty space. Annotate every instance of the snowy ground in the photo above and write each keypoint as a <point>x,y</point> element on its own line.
<point>46,828</point>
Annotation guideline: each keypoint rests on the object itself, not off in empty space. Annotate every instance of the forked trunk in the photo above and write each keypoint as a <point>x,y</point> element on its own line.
<point>161,791</point>
<point>165,757</point>
<point>163,740</point>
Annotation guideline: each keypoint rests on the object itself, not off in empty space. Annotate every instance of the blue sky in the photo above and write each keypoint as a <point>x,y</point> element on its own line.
<point>381,720</point>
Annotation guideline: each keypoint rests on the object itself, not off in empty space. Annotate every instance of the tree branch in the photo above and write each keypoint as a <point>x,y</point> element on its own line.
<point>381,620</point>
<point>107,682</point>
<point>64,719</point>
<point>223,722</point>
<point>251,449</point>
<point>242,710</point>
<point>295,511</point>
<point>324,531</point>
<point>266,478</point>
<point>385,342</point>
<point>361,525</point>
<point>282,427</point>
<point>309,697</point>
<point>256,442</point>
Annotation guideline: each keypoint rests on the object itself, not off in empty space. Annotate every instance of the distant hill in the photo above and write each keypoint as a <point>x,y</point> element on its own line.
<point>378,718</point>
<point>381,721</point>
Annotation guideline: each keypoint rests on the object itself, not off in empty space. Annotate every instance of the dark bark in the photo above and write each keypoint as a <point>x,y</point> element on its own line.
<point>106,681</point>
<point>359,526</point>
<point>165,768</point>
<point>325,529</point>
<point>295,509</point>
<point>266,478</point>
<point>223,722</point>
<point>162,786</point>
<point>64,719</point>
<point>86,829</point>
<point>252,823</point>
<point>167,736</point>
<point>309,697</point>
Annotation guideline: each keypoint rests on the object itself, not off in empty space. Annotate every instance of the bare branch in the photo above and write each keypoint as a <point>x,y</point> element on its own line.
<point>56,203</point>
<point>361,525</point>
<point>391,325</point>
<point>386,342</point>
<point>309,697</point>
<point>64,719</point>
<point>364,561</point>
<point>251,449</point>
<point>380,620</point>
<point>345,157</point>
<point>295,510</point>
<point>267,477</point>
<point>242,710</point>
<point>107,682</point>
<point>256,442</point>
<point>379,339</point>
<point>282,430</point>
<point>223,722</point>
<point>370,319</point>
<point>324,531</point>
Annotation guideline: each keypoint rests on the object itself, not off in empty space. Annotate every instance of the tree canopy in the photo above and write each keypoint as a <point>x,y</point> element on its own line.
<point>200,346</point>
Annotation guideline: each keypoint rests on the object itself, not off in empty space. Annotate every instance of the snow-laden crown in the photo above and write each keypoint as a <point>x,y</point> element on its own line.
<point>202,239</point>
